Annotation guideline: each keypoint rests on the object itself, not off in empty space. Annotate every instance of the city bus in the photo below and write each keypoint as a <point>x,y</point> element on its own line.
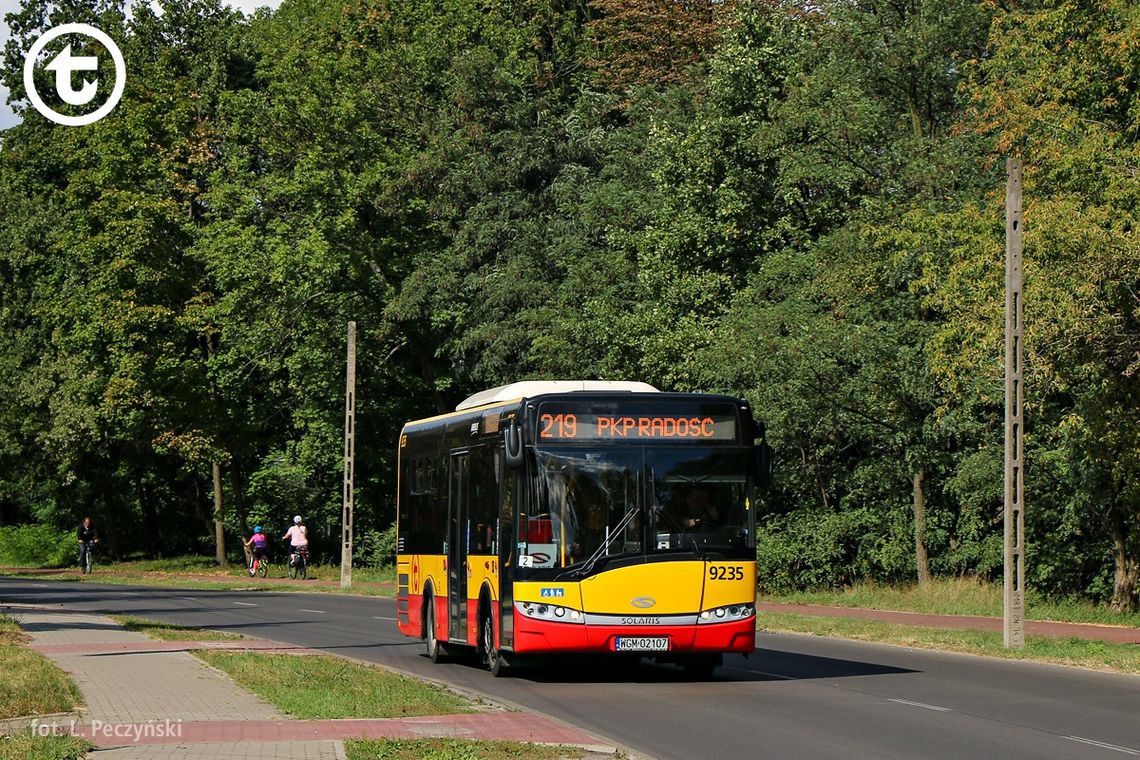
<point>547,518</point>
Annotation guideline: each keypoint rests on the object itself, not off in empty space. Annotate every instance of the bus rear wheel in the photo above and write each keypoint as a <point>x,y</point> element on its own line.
<point>488,652</point>
<point>435,651</point>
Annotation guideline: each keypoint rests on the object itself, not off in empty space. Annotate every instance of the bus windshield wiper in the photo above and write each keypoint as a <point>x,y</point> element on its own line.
<point>588,565</point>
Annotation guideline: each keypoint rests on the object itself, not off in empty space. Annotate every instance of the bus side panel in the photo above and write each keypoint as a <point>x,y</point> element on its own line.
<point>407,620</point>
<point>481,571</point>
<point>423,571</point>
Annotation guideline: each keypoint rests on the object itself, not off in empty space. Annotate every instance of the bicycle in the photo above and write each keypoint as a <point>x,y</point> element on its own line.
<point>257,565</point>
<point>299,562</point>
<point>86,557</point>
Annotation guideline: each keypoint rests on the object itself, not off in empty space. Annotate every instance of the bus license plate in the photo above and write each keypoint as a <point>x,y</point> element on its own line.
<point>641,644</point>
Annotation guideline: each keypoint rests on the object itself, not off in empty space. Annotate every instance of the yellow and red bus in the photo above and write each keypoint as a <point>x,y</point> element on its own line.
<point>578,517</point>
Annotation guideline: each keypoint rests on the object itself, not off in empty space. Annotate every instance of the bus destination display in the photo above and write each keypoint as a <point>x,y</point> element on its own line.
<point>580,425</point>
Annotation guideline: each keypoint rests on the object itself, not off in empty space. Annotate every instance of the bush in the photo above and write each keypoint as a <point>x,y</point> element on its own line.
<point>376,549</point>
<point>37,546</point>
<point>811,550</point>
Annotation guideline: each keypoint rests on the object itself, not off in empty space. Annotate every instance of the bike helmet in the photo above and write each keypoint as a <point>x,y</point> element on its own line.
<point>297,519</point>
<point>256,528</point>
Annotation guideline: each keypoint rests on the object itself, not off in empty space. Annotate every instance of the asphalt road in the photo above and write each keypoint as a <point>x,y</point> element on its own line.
<point>797,697</point>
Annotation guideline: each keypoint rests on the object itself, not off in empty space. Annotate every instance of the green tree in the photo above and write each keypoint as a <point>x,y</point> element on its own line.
<point>1057,88</point>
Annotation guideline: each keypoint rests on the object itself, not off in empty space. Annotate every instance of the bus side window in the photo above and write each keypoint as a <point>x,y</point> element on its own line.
<point>506,517</point>
<point>435,506</point>
<point>483,495</point>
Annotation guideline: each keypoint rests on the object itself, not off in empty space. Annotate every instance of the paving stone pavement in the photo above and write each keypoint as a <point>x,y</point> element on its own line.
<point>122,687</point>
<point>325,750</point>
<point>152,700</point>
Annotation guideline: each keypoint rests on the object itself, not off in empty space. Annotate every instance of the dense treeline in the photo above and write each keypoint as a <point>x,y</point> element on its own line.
<point>800,202</point>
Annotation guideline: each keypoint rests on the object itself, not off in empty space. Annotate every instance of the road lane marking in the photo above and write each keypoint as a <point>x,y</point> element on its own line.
<point>923,705</point>
<point>189,598</point>
<point>246,604</point>
<point>381,617</point>
<point>781,676</point>
<point>1103,745</point>
<point>319,612</point>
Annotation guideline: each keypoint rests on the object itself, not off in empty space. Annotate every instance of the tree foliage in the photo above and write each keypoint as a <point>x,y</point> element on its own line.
<point>795,202</point>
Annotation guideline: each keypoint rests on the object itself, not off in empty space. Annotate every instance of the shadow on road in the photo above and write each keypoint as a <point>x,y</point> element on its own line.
<point>764,665</point>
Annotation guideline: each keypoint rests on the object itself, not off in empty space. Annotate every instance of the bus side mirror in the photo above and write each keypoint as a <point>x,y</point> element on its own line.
<point>764,464</point>
<point>512,443</point>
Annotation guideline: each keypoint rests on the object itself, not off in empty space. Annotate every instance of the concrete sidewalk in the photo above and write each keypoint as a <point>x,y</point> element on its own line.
<point>152,699</point>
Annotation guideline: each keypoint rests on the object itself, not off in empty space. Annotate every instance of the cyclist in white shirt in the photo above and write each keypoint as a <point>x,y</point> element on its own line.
<point>298,536</point>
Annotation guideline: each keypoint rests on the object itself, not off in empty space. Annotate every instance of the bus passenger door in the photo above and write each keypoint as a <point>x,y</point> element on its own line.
<point>457,550</point>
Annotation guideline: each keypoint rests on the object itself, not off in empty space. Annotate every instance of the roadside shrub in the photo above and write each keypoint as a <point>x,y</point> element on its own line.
<point>37,546</point>
<point>376,549</point>
<point>801,551</point>
<point>811,550</point>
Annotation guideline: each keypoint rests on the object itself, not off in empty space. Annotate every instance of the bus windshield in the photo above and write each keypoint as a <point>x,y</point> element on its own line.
<point>612,502</point>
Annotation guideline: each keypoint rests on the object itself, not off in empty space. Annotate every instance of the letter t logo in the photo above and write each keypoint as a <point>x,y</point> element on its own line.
<point>63,65</point>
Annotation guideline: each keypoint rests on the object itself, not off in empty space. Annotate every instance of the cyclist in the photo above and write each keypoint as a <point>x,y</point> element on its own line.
<point>258,544</point>
<point>298,536</point>
<point>87,538</point>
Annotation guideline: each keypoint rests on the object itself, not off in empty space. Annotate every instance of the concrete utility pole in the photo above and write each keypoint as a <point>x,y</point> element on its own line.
<point>349,460</point>
<point>219,516</point>
<point>1014,607</point>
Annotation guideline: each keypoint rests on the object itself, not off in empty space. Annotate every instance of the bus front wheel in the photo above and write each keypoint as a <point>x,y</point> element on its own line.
<point>491,655</point>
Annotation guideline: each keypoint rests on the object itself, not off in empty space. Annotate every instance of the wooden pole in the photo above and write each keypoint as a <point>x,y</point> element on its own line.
<point>349,460</point>
<point>1013,617</point>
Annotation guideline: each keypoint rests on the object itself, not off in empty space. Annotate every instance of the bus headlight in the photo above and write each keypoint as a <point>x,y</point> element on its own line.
<point>728,613</point>
<point>557,614</point>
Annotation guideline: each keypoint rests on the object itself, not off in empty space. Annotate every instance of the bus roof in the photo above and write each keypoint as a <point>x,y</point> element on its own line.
<point>529,388</point>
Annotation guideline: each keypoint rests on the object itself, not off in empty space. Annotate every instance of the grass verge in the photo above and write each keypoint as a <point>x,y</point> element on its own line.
<point>1122,658</point>
<point>32,684</point>
<point>957,596</point>
<point>29,747</point>
<point>195,572</point>
<point>317,687</point>
<point>453,749</point>
<point>171,632</point>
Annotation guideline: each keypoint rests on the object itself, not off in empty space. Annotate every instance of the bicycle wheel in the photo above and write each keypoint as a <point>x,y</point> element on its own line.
<point>263,567</point>
<point>302,569</point>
